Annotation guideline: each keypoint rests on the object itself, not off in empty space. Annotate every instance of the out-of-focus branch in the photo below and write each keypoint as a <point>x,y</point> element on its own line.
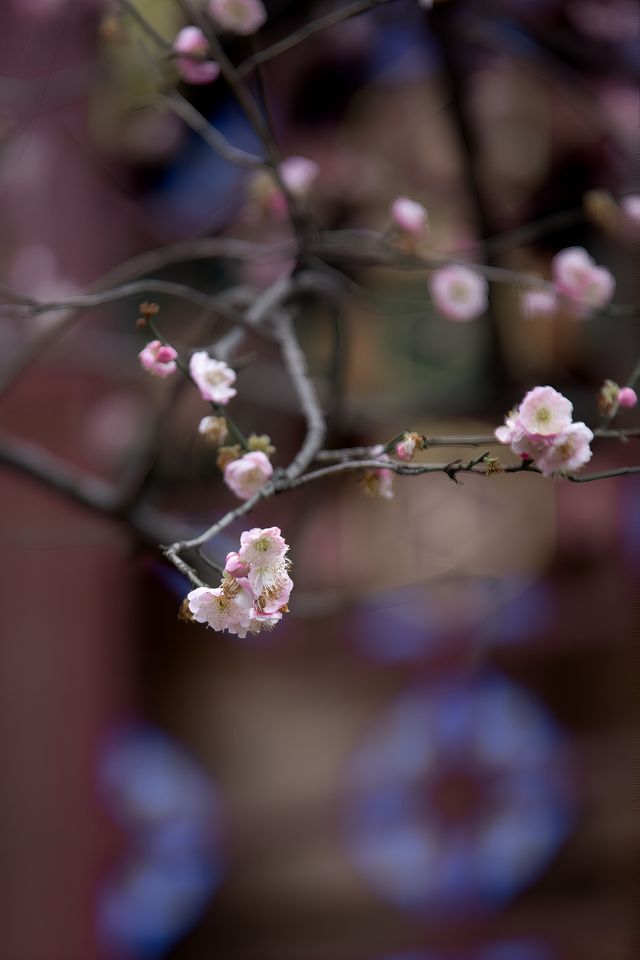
<point>306,31</point>
<point>177,104</point>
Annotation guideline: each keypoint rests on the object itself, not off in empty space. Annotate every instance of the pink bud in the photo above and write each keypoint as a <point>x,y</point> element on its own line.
<point>627,397</point>
<point>165,354</point>
<point>405,450</point>
<point>194,67</point>
<point>235,566</point>
<point>410,216</point>
<point>158,359</point>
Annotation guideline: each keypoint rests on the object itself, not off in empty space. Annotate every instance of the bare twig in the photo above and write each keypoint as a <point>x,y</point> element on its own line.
<point>306,31</point>
<point>216,140</point>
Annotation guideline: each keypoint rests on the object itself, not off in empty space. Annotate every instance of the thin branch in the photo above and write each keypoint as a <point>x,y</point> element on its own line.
<point>177,104</point>
<point>306,31</point>
<point>296,363</point>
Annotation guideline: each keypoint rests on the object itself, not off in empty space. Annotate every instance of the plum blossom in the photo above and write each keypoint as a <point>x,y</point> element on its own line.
<point>158,359</point>
<point>581,281</point>
<point>544,412</point>
<point>541,430</point>
<point>238,16</point>
<point>213,378</point>
<point>567,451</point>
<point>378,483</point>
<point>409,216</point>
<point>459,293</point>
<point>538,303</point>
<point>255,588</point>
<point>627,397</point>
<point>194,68</point>
<point>247,474</point>
<point>222,608</point>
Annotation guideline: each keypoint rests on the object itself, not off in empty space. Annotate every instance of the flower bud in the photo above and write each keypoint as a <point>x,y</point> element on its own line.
<point>213,429</point>
<point>227,454</point>
<point>235,566</point>
<point>627,397</point>
<point>262,443</point>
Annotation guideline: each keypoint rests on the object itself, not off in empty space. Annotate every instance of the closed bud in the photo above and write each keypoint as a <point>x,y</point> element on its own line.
<point>602,209</point>
<point>214,429</point>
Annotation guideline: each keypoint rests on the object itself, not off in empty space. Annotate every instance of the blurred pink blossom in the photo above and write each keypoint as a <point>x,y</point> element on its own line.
<point>627,397</point>
<point>158,359</point>
<point>247,474</point>
<point>238,16</point>
<point>191,40</point>
<point>410,216</point>
<point>578,278</point>
<point>213,378</point>
<point>458,292</point>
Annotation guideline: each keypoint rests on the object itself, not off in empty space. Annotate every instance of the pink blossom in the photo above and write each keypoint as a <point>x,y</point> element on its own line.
<point>298,175</point>
<point>410,216</point>
<point>222,609</point>
<point>246,475</point>
<point>158,359</point>
<point>262,543</point>
<point>194,68</point>
<point>213,378</point>
<point>567,451</point>
<point>276,596</point>
<point>544,412</point>
<point>627,397</point>
<point>238,16</point>
<point>235,566</point>
<point>538,303</point>
<point>581,281</point>
<point>459,293</point>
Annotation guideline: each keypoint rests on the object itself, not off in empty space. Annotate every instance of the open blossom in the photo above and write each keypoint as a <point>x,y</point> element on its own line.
<point>410,216</point>
<point>194,68</point>
<point>567,451</point>
<point>544,412</point>
<point>238,16</point>
<point>541,430</point>
<point>213,378</point>
<point>459,293</point>
<point>247,474</point>
<point>255,588</point>
<point>158,359</point>
<point>578,278</point>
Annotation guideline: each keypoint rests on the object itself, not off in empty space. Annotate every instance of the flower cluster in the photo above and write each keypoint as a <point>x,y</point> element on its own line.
<point>578,283</point>
<point>255,587</point>
<point>541,430</point>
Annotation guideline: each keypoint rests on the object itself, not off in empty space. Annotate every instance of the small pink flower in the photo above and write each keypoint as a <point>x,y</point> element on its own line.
<point>544,412</point>
<point>581,281</point>
<point>238,16</point>
<point>410,216</point>
<point>566,452</point>
<point>262,544</point>
<point>299,174</point>
<point>627,397</point>
<point>459,293</point>
<point>235,566</point>
<point>194,68</point>
<point>277,596</point>
<point>538,303</point>
<point>213,378</point>
<point>246,475</point>
<point>221,610</point>
<point>158,359</point>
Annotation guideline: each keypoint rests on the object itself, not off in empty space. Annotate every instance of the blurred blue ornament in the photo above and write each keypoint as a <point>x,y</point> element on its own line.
<point>459,798</point>
<point>170,812</point>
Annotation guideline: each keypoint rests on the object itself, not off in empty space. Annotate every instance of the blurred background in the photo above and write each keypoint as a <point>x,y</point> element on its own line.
<point>431,758</point>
